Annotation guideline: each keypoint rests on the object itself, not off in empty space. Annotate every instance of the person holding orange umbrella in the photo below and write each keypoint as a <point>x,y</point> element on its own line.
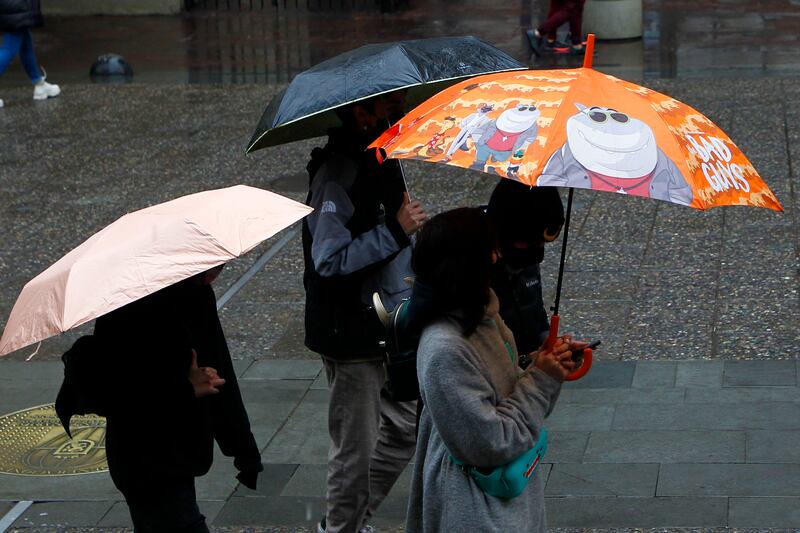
<point>481,411</point>
<point>594,132</point>
<point>526,219</point>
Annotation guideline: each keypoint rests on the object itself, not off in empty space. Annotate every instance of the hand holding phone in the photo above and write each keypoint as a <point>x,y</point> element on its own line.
<point>577,353</point>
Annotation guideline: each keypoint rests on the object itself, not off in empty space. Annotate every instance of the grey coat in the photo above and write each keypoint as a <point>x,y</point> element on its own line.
<point>483,409</point>
<point>336,253</point>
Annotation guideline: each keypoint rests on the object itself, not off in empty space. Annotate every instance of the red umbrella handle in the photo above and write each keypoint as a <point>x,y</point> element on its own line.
<point>587,353</point>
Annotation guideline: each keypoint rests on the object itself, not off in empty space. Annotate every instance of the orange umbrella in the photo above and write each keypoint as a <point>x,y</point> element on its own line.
<point>580,128</point>
<point>143,252</point>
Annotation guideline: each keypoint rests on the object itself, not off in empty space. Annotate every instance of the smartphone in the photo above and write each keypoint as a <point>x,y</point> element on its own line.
<point>577,354</point>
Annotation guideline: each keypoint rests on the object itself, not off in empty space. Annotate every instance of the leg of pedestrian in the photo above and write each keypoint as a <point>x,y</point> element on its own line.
<point>353,419</point>
<point>397,441</point>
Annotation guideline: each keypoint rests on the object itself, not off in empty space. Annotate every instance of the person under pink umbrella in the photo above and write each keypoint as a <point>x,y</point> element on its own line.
<point>168,393</point>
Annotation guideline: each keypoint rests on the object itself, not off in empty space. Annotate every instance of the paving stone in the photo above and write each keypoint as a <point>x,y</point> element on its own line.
<point>566,446</point>
<point>773,447</point>
<point>117,516</point>
<point>392,512</point>
<point>743,395</point>
<point>602,480</point>
<point>665,447</point>
<point>321,383</point>
<point>240,366</point>
<point>63,514</point>
<point>280,511</point>
<point>20,395</point>
<point>630,512</point>
<point>220,481</point>
<point>651,374</point>
<point>269,403</point>
<point>303,439</point>
<point>760,373</point>
<point>699,374</point>
<point>284,369</point>
<point>84,487</point>
<point>574,417</point>
<point>764,512</point>
<point>271,482</point>
<point>630,396</point>
<point>307,480</point>
<point>606,375</point>
<point>26,371</point>
<point>729,480</point>
<point>729,416</point>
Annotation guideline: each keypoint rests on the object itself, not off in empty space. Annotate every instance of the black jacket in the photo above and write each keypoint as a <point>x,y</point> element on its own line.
<point>157,429</point>
<point>16,15</point>
<point>521,305</point>
<point>339,321</point>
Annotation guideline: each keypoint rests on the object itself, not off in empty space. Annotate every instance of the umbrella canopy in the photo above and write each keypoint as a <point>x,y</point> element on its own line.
<point>143,252</point>
<point>580,128</point>
<point>425,66</point>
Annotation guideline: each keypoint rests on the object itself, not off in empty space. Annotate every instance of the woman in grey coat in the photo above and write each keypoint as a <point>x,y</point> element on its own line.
<point>479,406</point>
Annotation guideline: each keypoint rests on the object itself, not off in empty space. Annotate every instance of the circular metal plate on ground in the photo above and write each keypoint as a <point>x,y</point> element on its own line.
<point>33,443</point>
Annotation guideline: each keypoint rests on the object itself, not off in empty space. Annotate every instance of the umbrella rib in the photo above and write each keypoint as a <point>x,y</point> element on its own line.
<point>413,64</point>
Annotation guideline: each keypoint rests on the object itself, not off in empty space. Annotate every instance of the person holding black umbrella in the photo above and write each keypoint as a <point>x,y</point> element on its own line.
<point>356,242</point>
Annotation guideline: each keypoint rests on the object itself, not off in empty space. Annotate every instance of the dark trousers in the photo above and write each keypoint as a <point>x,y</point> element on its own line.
<point>165,506</point>
<point>561,12</point>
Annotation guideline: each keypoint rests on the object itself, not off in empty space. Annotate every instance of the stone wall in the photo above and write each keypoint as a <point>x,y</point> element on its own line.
<point>111,7</point>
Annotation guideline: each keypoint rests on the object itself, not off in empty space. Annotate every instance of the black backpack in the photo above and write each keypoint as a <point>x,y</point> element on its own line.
<point>84,389</point>
<point>399,350</point>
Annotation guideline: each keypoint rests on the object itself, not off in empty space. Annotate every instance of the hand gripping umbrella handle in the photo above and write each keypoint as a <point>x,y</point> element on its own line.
<point>587,353</point>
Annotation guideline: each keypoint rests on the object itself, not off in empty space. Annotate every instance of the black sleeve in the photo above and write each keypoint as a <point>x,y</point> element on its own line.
<point>231,425</point>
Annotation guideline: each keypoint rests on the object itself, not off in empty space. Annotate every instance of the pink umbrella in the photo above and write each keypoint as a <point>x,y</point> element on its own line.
<point>143,252</point>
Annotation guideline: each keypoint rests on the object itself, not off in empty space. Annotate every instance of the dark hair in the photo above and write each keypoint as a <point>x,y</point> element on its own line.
<point>346,115</point>
<point>523,213</point>
<point>453,257</point>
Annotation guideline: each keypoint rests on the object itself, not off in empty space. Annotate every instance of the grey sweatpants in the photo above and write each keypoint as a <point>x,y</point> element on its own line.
<point>372,440</point>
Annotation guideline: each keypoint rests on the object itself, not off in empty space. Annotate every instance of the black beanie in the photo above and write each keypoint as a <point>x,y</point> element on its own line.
<point>523,213</point>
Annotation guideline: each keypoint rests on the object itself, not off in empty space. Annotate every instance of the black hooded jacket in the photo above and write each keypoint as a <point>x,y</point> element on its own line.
<point>16,15</point>
<point>157,428</point>
<point>338,322</point>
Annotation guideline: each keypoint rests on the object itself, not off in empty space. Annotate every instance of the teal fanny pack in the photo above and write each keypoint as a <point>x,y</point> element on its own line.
<point>508,481</point>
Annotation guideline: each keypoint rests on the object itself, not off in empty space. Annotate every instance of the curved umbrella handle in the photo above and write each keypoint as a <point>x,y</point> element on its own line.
<point>584,368</point>
<point>587,352</point>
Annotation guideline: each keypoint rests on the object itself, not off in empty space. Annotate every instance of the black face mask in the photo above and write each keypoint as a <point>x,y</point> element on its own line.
<point>517,258</point>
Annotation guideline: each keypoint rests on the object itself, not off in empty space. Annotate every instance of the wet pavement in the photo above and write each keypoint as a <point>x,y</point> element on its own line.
<point>682,39</point>
<point>689,418</point>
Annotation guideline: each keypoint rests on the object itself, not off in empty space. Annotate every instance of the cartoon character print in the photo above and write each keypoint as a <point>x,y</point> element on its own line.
<point>500,139</point>
<point>471,127</point>
<point>607,150</point>
<point>436,144</point>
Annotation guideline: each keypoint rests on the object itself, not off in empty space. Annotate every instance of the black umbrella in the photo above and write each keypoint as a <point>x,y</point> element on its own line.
<point>306,107</point>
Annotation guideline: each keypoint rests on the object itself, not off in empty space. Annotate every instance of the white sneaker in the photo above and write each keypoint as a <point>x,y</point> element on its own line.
<point>1,102</point>
<point>367,529</point>
<point>44,90</point>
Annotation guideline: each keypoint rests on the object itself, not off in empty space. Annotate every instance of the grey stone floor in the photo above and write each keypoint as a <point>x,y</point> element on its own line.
<point>645,444</point>
<point>688,420</point>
